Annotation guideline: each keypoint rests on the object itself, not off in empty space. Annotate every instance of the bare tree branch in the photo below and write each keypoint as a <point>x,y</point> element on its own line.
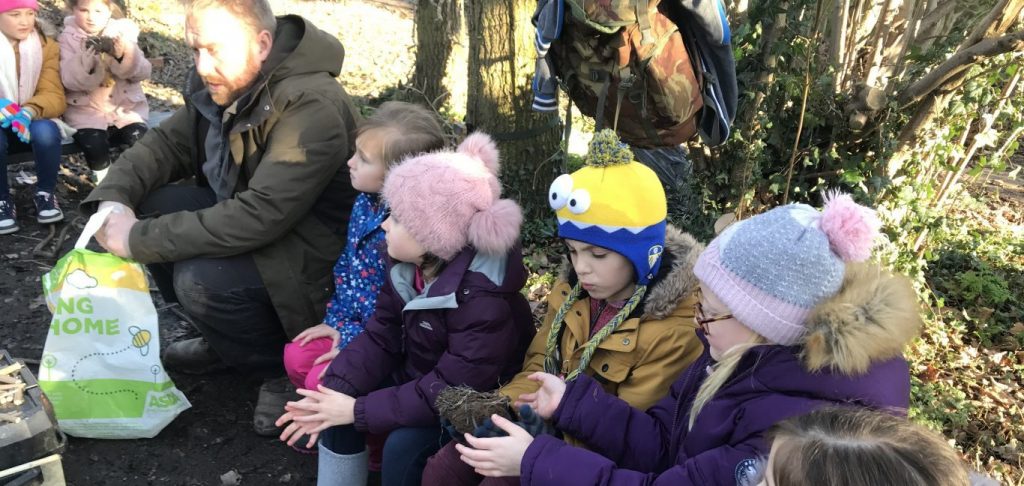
<point>960,62</point>
<point>1004,11</point>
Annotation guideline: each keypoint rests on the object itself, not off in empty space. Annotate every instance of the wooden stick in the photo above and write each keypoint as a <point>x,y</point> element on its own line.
<point>29,465</point>
<point>9,379</point>
<point>10,417</point>
<point>9,370</point>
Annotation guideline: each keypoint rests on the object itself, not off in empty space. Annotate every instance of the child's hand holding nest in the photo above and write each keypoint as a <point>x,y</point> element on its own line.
<point>467,411</point>
<point>100,44</point>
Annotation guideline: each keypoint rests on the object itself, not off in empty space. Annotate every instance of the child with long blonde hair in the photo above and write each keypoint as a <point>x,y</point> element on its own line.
<point>793,321</point>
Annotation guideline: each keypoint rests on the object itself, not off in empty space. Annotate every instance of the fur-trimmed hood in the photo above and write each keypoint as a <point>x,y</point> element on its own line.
<point>46,28</point>
<point>872,317</point>
<point>674,282</point>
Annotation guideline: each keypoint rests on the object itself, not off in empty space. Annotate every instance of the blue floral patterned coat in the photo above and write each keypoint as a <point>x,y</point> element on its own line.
<point>360,270</point>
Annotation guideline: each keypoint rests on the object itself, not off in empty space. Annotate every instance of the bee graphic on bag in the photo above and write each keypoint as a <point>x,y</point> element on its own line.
<point>140,339</point>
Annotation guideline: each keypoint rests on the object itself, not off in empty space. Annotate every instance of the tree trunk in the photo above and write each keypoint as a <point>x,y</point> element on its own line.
<point>437,28</point>
<point>501,66</point>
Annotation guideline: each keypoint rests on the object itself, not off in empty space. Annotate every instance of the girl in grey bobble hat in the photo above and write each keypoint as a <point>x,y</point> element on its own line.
<point>793,318</point>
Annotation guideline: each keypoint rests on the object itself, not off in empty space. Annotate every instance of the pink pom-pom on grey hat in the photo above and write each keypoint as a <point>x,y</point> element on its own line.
<point>851,228</point>
<point>450,200</point>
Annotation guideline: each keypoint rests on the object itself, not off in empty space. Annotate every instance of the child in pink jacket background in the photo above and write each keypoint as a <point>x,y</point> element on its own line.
<point>102,67</point>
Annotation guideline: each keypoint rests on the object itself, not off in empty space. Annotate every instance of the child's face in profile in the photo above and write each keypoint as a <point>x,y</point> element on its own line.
<point>401,245</point>
<point>366,168</point>
<point>92,15</point>
<point>604,274</point>
<point>724,334</point>
<point>18,23</point>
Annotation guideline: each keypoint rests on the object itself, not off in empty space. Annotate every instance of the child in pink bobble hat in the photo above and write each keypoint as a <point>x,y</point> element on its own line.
<point>450,314</point>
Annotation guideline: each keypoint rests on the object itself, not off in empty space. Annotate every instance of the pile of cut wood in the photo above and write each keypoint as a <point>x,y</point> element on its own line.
<point>12,393</point>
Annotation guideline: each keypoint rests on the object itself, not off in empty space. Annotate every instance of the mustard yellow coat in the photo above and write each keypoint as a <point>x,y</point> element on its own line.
<point>48,100</point>
<point>647,352</point>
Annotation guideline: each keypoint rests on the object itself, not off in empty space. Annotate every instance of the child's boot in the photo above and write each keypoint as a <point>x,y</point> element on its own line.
<point>8,215</point>
<point>47,208</point>
<point>341,469</point>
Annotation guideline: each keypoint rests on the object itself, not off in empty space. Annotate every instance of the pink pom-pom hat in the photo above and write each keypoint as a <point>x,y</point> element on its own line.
<point>450,200</point>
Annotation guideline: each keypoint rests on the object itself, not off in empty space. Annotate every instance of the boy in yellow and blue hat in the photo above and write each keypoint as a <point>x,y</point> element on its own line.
<point>624,311</point>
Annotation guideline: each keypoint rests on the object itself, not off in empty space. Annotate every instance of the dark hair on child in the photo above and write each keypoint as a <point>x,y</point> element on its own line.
<point>116,8</point>
<point>846,446</point>
<point>413,128</point>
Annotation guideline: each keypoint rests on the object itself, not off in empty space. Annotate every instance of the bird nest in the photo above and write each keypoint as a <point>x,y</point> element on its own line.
<point>467,408</point>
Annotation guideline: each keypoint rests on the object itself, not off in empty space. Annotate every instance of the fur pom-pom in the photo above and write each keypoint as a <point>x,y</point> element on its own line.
<point>495,229</point>
<point>481,146</point>
<point>850,227</point>
<point>606,149</point>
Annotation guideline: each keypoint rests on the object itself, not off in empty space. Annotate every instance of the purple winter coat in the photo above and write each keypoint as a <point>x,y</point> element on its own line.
<point>470,326</point>
<point>859,364</point>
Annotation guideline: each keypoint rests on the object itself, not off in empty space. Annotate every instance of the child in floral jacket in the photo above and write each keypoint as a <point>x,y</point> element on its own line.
<point>395,131</point>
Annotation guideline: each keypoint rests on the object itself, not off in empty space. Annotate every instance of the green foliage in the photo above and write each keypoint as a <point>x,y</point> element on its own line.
<point>984,287</point>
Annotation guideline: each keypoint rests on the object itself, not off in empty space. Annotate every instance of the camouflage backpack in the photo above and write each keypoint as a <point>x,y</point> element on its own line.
<point>627,64</point>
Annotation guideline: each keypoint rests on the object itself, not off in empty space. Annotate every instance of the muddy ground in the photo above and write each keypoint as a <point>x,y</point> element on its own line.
<point>205,442</point>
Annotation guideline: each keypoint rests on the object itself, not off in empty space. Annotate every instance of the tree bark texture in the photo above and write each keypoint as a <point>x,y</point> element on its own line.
<point>437,28</point>
<point>501,65</point>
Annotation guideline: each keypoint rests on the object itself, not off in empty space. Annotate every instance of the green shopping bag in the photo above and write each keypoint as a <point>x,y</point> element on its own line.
<point>101,362</point>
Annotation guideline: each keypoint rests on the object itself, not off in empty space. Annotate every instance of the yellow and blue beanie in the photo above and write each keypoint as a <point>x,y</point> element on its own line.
<point>613,202</point>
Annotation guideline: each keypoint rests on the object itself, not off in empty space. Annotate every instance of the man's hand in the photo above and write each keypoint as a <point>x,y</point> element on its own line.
<point>113,236</point>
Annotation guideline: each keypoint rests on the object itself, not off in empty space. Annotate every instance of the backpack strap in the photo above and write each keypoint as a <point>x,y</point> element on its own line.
<point>643,20</point>
<point>605,77</point>
<point>627,81</point>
